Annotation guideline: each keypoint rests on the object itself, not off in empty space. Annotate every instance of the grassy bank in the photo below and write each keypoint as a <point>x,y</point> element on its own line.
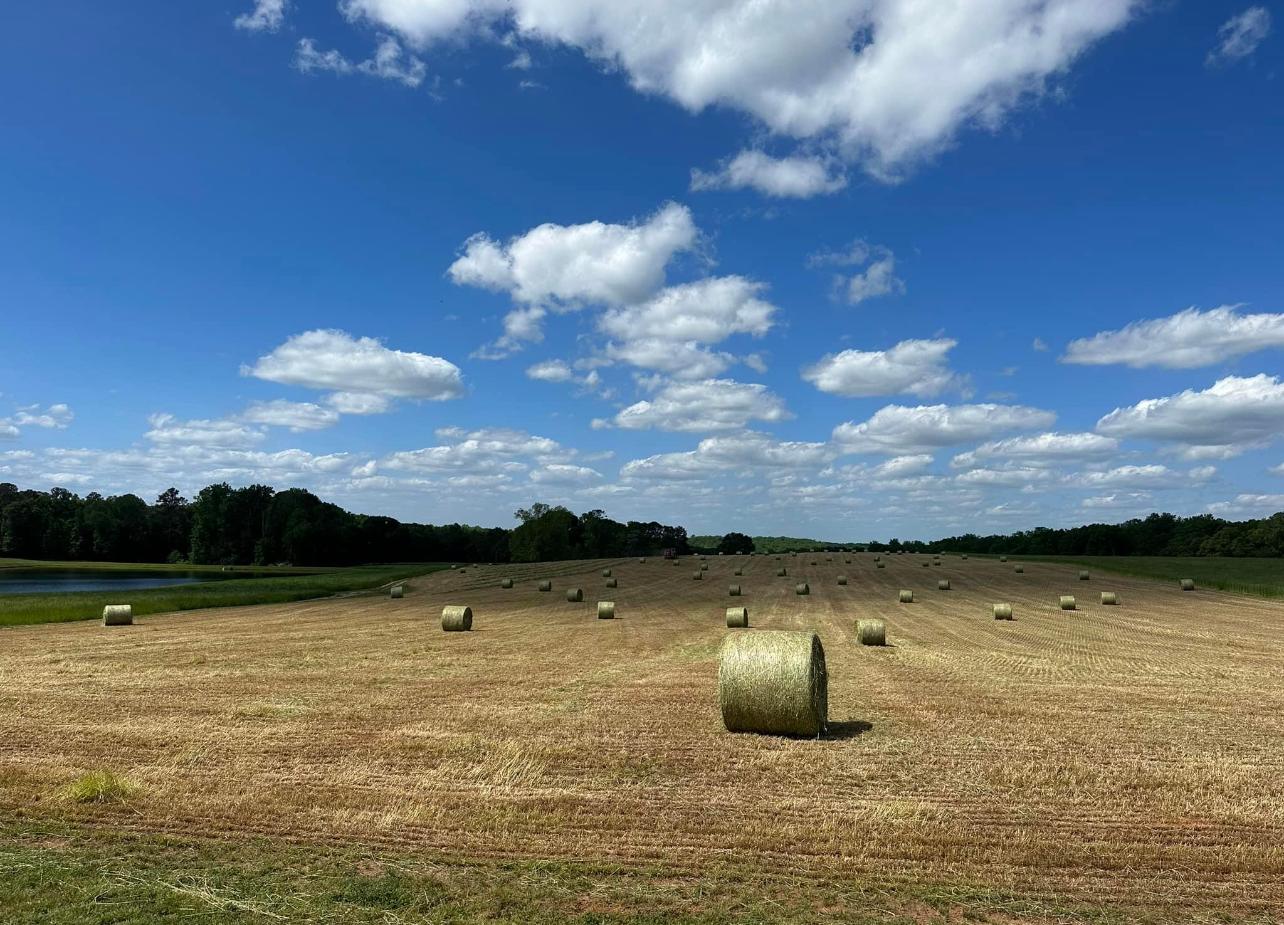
<point>276,587</point>
<point>1261,577</point>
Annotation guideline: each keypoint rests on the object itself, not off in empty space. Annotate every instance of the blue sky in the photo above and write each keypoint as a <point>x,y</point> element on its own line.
<point>846,269</point>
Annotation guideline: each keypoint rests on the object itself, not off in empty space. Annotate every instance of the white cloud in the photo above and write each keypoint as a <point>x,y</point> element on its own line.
<point>877,279</point>
<point>1040,345</point>
<point>887,83</point>
<point>297,416</point>
<point>564,474</point>
<point>781,177</point>
<point>550,371</point>
<point>364,373</point>
<point>902,466</point>
<point>9,431</point>
<point>1186,340</point>
<point>1148,476</point>
<point>1248,505</point>
<point>731,454</point>
<point>53,417</point>
<point>1233,415</point>
<point>1007,477</point>
<point>898,430</point>
<point>710,404</point>
<point>389,62</point>
<point>914,367</point>
<point>267,16</point>
<point>485,450</point>
<point>1048,449</point>
<point>169,430</point>
<point>1125,501</point>
<point>1240,35</point>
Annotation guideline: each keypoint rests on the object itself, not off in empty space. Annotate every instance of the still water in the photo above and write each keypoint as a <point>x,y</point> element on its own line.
<point>61,581</point>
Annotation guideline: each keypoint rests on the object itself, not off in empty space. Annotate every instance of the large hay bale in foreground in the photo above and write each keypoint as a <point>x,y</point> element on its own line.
<point>1083,576</point>
<point>906,596</point>
<point>574,595</point>
<point>737,617</point>
<point>118,615</point>
<point>506,583</point>
<point>1109,598</point>
<point>871,632</point>
<point>943,585</point>
<point>546,585</point>
<point>612,583</point>
<point>1067,602</point>
<point>774,682</point>
<point>1188,584</point>
<point>802,588</point>
<point>396,592</point>
<point>842,579</point>
<point>734,591</point>
<point>606,610</point>
<point>456,619</point>
<point>1003,611</point>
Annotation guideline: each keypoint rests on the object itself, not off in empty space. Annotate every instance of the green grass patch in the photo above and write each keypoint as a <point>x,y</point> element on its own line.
<point>1260,577</point>
<point>98,787</point>
<point>24,609</point>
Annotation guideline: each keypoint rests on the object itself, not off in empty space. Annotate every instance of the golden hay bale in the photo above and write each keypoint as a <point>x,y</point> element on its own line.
<point>734,591</point>
<point>1188,584</point>
<point>813,561</point>
<point>871,632</point>
<point>1003,558</point>
<point>943,585</point>
<point>842,579</point>
<point>118,615</point>
<point>1109,598</point>
<point>802,588</point>
<point>964,558</point>
<point>847,562</point>
<point>906,596</point>
<point>546,585</point>
<point>774,682</point>
<point>1020,569</point>
<point>396,591</point>
<point>612,582</point>
<point>606,610</point>
<point>738,572</point>
<point>642,561</point>
<point>1003,611</point>
<point>927,564</point>
<point>878,558</point>
<point>1067,602</point>
<point>698,576</point>
<point>574,595</point>
<point>781,572</point>
<point>506,583</point>
<point>456,619</point>
<point>880,565</point>
<point>1083,576</point>
<point>606,573</point>
<point>737,617</point>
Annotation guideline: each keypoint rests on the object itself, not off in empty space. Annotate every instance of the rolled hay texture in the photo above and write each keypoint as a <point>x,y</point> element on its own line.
<point>704,566</point>
<point>1109,597</point>
<point>606,610</point>
<point>734,591</point>
<point>878,558</point>
<point>737,617</point>
<point>697,576</point>
<point>1067,602</point>
<point>1188,584</point>
<point>879,565</point>
<point>396,591</point>
<point>871,632</point>
<point>1003,558</point>
<point>506,583</point>
<point>738,572</point>
<point>455,619</point>
<point>606,573</point>
<point>906,597</point>
<point>1003,611</point>
<point>842,579</point>
<point>1083,576</point>
<point>118,615</point>
<point>773,682</point>
<point>802,588</point>
<point>612,583</point>
<point>546,585</point>
<point>943,585</point>
<point>781,572</point>
<point>574,595</point>
<point>1020,569</point>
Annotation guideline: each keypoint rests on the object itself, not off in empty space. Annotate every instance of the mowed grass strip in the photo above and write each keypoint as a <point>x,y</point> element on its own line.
<point>1260,577</point>
<point>27,609</point>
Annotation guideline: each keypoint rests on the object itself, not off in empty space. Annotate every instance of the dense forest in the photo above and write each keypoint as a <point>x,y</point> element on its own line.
<point>257,525</point>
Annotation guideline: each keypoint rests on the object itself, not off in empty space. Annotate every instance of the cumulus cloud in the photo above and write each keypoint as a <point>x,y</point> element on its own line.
<point>1048,449</point>
<point>780,177</point>
<point>52,417</point>
<point>168,429</point>
<point>1233,415</point>
<point>1186,340</point>
<point>550,371</point>
<point>901,466</point>
<point>1248,505</point>
<point>389,62</point>
<point>297,416</point>
<point>898,430</point>
<point>1240,35</point>
<point>711,404</point>
<point>564,474</point>
<point>913,367</point>
<point>363,372</point>
<point>1149,476</point>
<point>887,83</point>
<point>479,451</point>
<point>877,279</point>
<point>267,16</point>
<point>741,453</point>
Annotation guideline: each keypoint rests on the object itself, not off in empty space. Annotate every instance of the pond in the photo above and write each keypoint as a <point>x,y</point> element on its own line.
<point>62,581</point>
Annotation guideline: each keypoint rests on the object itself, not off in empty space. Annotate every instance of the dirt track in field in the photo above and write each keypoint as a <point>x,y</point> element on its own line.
<point>1129,755</point>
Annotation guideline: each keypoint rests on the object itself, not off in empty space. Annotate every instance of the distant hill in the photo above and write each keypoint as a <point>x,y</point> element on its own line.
<point>774,544</point>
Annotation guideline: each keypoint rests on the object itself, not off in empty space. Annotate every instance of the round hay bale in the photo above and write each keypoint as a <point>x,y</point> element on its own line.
<point>880,565</point>
<point>697,576</point>
<point>847,562</point>
<point>118,615</point>
<point>1067,602</point>
<point>774,682</point>
<point>964,558</point>
<point>606,610</point>
<point>704,566</point>
<point>926,564</point>
<point>506,583</point>
<point>606,573</point>
<point>738,572</point>
<point>642,561</point>
<point>734,591</point>
<point>396,592</point>
<point>802,588</point>
<point>1188,584</point>
<point>782,573</point>
<point>455,619</point>
<point>871,632</point>
<point>737,617</point>
<point>546,585</point>
<point>574,595</point>
<point>1003,611</point>
<point>813,561</point>
<point>1003,558</point>
<point>906,596</point>
<point>842,579</point>
<point>943,585</point>
<point>612,582</point>
<point>453,567</point>
<point>1083,576</point>
<point>1019,569</point>
<point>878,558</point>
<point>1109,598</point>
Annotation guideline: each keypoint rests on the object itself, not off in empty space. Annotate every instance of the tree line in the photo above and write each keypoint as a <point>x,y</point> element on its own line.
<point>257,525</point>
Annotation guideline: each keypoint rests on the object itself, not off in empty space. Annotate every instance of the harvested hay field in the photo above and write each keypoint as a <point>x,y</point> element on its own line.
<point>1120,762</point>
